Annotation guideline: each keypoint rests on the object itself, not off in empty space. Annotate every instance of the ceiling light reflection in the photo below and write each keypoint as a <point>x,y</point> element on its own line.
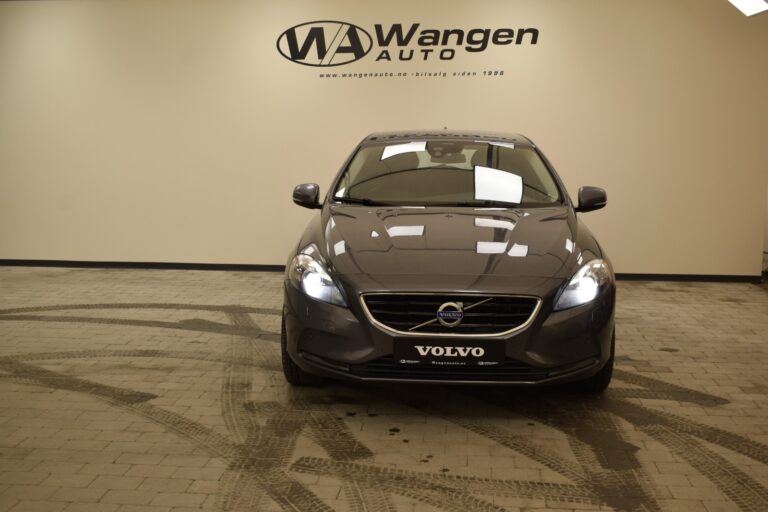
<point>494,223</point>
<point>405,231</point>
<point>491,247</point>
<point>750,7</point>
<point>518,251</point>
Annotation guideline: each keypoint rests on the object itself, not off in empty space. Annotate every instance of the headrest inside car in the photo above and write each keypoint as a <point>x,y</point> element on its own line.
<point>448,152</point>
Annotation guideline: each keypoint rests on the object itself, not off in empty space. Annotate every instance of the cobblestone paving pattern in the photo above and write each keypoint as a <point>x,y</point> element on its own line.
<point>161,390</point>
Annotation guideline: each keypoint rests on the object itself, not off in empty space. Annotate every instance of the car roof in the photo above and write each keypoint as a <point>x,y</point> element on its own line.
<point>406,135</point>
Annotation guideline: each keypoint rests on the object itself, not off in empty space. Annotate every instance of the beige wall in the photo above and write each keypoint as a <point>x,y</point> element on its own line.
<point>174,131</point>
<point>765,240</point>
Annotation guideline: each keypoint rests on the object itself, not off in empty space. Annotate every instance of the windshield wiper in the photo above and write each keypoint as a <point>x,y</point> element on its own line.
<point>499,204</point>
<point>480,203</point>
<point>359,200</point>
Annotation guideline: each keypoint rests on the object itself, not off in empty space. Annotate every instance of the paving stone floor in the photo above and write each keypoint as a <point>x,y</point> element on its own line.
<point>161,390</point>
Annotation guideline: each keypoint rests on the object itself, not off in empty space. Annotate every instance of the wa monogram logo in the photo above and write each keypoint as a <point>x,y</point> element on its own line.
<point>324,43</point>
<point>334,43</point>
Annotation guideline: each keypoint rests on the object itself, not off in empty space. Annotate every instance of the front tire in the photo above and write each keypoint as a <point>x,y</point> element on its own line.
<point>597,383</point>
<point>293,374</point>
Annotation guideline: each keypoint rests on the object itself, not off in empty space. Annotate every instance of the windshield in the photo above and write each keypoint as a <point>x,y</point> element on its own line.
<point>448,172</point>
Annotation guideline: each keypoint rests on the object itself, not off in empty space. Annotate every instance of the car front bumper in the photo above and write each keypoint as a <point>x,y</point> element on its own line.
<point>341,343</point>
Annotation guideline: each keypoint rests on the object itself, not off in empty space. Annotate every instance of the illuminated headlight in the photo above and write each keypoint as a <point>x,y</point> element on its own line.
<point>310,276</point>
<point>585,285</point>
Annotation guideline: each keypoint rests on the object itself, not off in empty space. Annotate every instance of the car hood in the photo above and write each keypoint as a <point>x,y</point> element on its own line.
<point>438,241</point>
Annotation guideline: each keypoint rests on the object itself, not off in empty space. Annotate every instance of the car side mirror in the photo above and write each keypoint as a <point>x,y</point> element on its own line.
<point>306,195</point>
<point>591,198</point>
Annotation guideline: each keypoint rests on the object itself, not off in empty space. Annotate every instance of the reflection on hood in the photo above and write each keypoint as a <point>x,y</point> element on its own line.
<point>449,241</point>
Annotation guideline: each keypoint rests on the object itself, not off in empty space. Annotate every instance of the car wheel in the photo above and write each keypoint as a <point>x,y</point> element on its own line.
<point>293,374</point>
<point>599,381</point>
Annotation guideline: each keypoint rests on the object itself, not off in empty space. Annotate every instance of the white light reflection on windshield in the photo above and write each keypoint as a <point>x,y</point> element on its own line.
<point>399,149</point>
<point>495,185</point>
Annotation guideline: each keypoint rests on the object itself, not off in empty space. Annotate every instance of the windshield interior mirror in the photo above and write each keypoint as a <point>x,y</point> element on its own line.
<point>591,198</point>
<point>306,195</point>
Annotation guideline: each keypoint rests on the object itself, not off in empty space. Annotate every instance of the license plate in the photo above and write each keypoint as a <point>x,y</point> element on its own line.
<point>449,353</point>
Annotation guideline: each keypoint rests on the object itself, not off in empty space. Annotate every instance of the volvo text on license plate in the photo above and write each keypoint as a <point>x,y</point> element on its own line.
<point>449,353</point>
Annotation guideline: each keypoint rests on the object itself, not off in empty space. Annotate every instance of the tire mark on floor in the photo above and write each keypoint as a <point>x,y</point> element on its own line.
<point>405,483</point>
<point>640,414</point>
<point>475,423</point>
<point>139,353</point>
<point>238,383</point>
<point>261,469</point>
<point>589,441</point>
<point>607,466</point>
<point>608,461</point>
<point>564,493</point>
<point>717,436</point>
<point>264,462</point>
<point>55,380</point>
<point>132,401</point>
<point>234,308</point>
<point>184,325</point>
<point>524,446</point>
<point>236,490</point>
<point>668,391</point>
<point>333,435</point>
<point>741,488</point>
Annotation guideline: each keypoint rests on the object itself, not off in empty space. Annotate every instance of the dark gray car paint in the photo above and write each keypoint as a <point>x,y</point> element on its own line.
<point>575,341</point>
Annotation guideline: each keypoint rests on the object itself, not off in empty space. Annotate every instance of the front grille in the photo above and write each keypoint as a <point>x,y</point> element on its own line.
<point>511,370</point>
<point>404,312</point>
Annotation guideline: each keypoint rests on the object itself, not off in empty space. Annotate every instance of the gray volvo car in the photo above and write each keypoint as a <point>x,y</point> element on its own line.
<point>449,257</point>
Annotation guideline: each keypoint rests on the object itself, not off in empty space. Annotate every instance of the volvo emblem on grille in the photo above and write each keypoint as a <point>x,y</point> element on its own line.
<point>450,314</point>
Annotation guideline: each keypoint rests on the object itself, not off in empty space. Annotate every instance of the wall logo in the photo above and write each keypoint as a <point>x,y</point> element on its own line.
<point>334,43</point>
<point>324,43</point>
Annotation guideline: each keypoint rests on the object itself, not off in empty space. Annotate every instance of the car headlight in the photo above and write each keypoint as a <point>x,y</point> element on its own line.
<point>585,285</point>
<point>310,276</point>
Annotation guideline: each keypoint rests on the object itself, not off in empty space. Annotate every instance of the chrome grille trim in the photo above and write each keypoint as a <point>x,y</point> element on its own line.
<point>448,332</point>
